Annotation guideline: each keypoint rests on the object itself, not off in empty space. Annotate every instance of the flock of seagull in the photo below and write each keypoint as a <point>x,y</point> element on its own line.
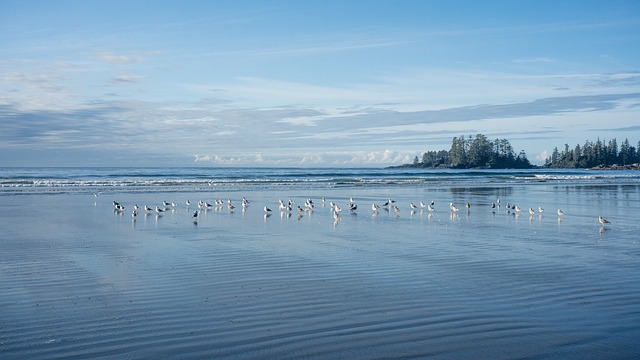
<point>287,207</point>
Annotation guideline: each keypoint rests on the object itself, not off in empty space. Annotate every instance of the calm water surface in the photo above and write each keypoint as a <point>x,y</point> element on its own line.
<point>81,280</point>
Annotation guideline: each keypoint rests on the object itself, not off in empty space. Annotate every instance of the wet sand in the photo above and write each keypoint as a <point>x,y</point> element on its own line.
<point>81,281</point>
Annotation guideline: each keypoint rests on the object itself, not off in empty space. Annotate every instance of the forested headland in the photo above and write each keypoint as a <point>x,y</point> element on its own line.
<point>481,153</point>
<point>598,154</point>
<point>474,152</point>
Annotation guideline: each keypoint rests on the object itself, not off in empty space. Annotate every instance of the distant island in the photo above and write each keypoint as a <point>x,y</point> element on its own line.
<point>481,153</point>
<point>473,153</point>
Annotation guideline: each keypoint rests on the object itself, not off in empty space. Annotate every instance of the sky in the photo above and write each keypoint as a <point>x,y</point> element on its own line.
<point>309,83</point>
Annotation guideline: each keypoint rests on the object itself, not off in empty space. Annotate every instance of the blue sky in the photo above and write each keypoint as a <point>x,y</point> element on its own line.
<point>309,83</point>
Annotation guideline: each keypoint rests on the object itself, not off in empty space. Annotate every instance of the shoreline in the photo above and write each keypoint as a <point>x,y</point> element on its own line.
<point>617,167</point>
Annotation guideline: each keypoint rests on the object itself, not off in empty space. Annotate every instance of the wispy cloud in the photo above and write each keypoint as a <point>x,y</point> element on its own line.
<point>127,79</point>
<point>112,58</point>
<point>536,60</point>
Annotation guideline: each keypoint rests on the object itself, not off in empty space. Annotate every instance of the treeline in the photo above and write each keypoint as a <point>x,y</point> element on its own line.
<point>475,152</point>
<point>594,154</point>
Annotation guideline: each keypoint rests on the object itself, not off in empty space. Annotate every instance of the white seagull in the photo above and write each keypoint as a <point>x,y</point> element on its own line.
<point>560,212</point>
<point>603,221</point>
<point>267,210</point>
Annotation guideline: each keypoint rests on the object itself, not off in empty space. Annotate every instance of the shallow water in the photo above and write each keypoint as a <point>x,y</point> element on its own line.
<point>80,280</point>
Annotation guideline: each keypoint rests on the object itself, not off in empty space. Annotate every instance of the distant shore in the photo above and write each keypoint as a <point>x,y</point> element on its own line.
<point>617,167</point>
<point>599,167</point>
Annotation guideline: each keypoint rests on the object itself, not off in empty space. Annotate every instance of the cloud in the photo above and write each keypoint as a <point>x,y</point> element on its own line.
<point>127,79</point>
<point>536,60</point>
<point>202,158</point>
<point>542,156</point>
<point>226,133</point>
<point>624,129</point>
<point>111,58</point>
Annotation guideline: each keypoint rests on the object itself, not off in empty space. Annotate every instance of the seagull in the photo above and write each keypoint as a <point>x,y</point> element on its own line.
<point>422,205</point>
<point>540,209</point>
<point>267,210</point>
<point>309,204</point>
<point>166,203</point>
<point>353,206</point>
<point>560,212</point>
<point>134,214</point>
<point>195,214</point>
<point>430,207</point>
<point>531,211</point>
<point>374,207</point>
<point>159,211</point>
<point>187,203</point>
<point>147,208</point>
<point>413,206</point>
<point>493,205</point>
<point>518,209</point>
<point>453,207</point>
<point>468,205</point>
<point>603,221</point>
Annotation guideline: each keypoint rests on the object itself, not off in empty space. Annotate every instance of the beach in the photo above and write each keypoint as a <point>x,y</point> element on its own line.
<point>81,280</point>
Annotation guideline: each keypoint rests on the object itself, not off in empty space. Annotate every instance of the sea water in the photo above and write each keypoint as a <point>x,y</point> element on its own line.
<point>80,279</point>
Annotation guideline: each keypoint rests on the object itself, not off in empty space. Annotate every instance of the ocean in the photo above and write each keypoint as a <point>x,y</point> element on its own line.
<point>80,279</point>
